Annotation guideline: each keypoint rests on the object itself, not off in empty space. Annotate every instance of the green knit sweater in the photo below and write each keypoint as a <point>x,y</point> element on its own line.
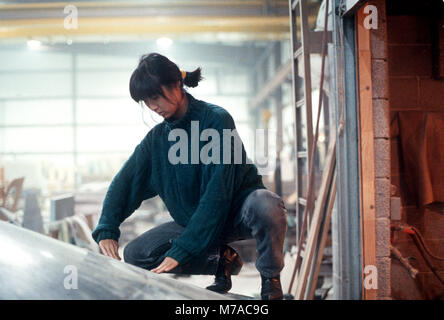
<point>200,197</point>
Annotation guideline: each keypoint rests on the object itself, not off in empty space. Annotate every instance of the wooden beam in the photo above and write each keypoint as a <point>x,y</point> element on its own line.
<point>327,176</point>
<point>367,152</point>
<point>154,26</point>
<point>324,233</point>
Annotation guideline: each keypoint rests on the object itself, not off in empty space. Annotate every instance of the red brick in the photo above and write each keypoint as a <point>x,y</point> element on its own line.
<point>403,287</point>
<point>432,287</point>
<point>381,113</point>
<point>380,80</point>
<point>403,93</point>
<point>431,94</point>
<point>407,60</point>
<point>382,237</point>
<point>408,29</point>
<point>411,251</point>
<point>406,214</point>
<point>414,216</point>
<point>436,247</point>
<point>382,158</point>
<point>433,225</point>
<point>426,285</point>
<point>408,194</point>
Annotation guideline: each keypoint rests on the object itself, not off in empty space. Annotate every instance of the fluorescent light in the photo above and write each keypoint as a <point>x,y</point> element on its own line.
<point>34,44</point>
<point>164,42</point>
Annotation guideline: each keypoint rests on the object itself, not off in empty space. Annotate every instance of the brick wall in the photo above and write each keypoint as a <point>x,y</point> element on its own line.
<point>412,89</point>
<point>381,112</point>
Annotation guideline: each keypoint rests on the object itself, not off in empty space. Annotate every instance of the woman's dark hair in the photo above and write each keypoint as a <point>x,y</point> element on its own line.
<point>155,70</point>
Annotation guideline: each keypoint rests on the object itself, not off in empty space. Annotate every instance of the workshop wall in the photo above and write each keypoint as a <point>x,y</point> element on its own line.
<point>417,137</point>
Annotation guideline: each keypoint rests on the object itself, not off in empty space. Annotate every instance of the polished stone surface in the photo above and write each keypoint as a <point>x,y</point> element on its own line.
<point>34,266</point>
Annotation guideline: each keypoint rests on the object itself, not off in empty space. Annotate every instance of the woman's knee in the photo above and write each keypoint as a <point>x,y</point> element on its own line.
<point>268,207</point>
<point>147,247</point>
<point>135,255</point>
<point>130,253</point>
<point>127,254</point>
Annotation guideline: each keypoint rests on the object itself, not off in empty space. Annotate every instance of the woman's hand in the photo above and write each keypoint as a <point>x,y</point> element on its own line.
<point>110,248</point>
<point>167,264</point>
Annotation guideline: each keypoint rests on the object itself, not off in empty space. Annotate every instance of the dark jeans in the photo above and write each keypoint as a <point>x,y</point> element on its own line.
<point>262,217</point>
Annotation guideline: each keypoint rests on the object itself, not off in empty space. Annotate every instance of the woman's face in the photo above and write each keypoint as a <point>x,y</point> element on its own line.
<point>160,105</point>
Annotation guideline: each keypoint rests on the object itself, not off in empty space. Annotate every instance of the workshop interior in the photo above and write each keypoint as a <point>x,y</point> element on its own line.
<point>339,102</point>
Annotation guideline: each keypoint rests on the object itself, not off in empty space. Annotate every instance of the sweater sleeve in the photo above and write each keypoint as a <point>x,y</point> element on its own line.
<point>127,190</point>
<point>208,220</point>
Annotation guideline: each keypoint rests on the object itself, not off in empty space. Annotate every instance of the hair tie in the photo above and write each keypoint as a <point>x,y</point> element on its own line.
<point>184,74</point>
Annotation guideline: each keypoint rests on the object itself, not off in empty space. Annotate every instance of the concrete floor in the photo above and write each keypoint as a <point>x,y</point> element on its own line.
<point>246,283</point>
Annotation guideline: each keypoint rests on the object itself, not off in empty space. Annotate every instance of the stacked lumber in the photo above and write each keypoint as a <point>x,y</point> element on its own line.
<point>306,273</point>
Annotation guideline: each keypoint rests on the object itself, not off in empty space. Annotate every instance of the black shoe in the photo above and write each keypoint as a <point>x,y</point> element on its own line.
<point>271,288</point>
<point>230,263</point>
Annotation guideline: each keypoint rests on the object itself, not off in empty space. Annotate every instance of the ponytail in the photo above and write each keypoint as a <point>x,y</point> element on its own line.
<point>191,79</point>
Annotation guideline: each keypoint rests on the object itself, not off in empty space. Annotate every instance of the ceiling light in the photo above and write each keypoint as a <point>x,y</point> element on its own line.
<point>164,42</point>
<point>34,44</point>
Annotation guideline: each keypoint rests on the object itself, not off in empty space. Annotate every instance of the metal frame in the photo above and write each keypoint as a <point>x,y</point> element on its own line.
<point>346,221</point>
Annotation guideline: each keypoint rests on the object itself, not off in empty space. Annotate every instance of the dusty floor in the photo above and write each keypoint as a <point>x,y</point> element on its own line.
<point>247,283</point>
